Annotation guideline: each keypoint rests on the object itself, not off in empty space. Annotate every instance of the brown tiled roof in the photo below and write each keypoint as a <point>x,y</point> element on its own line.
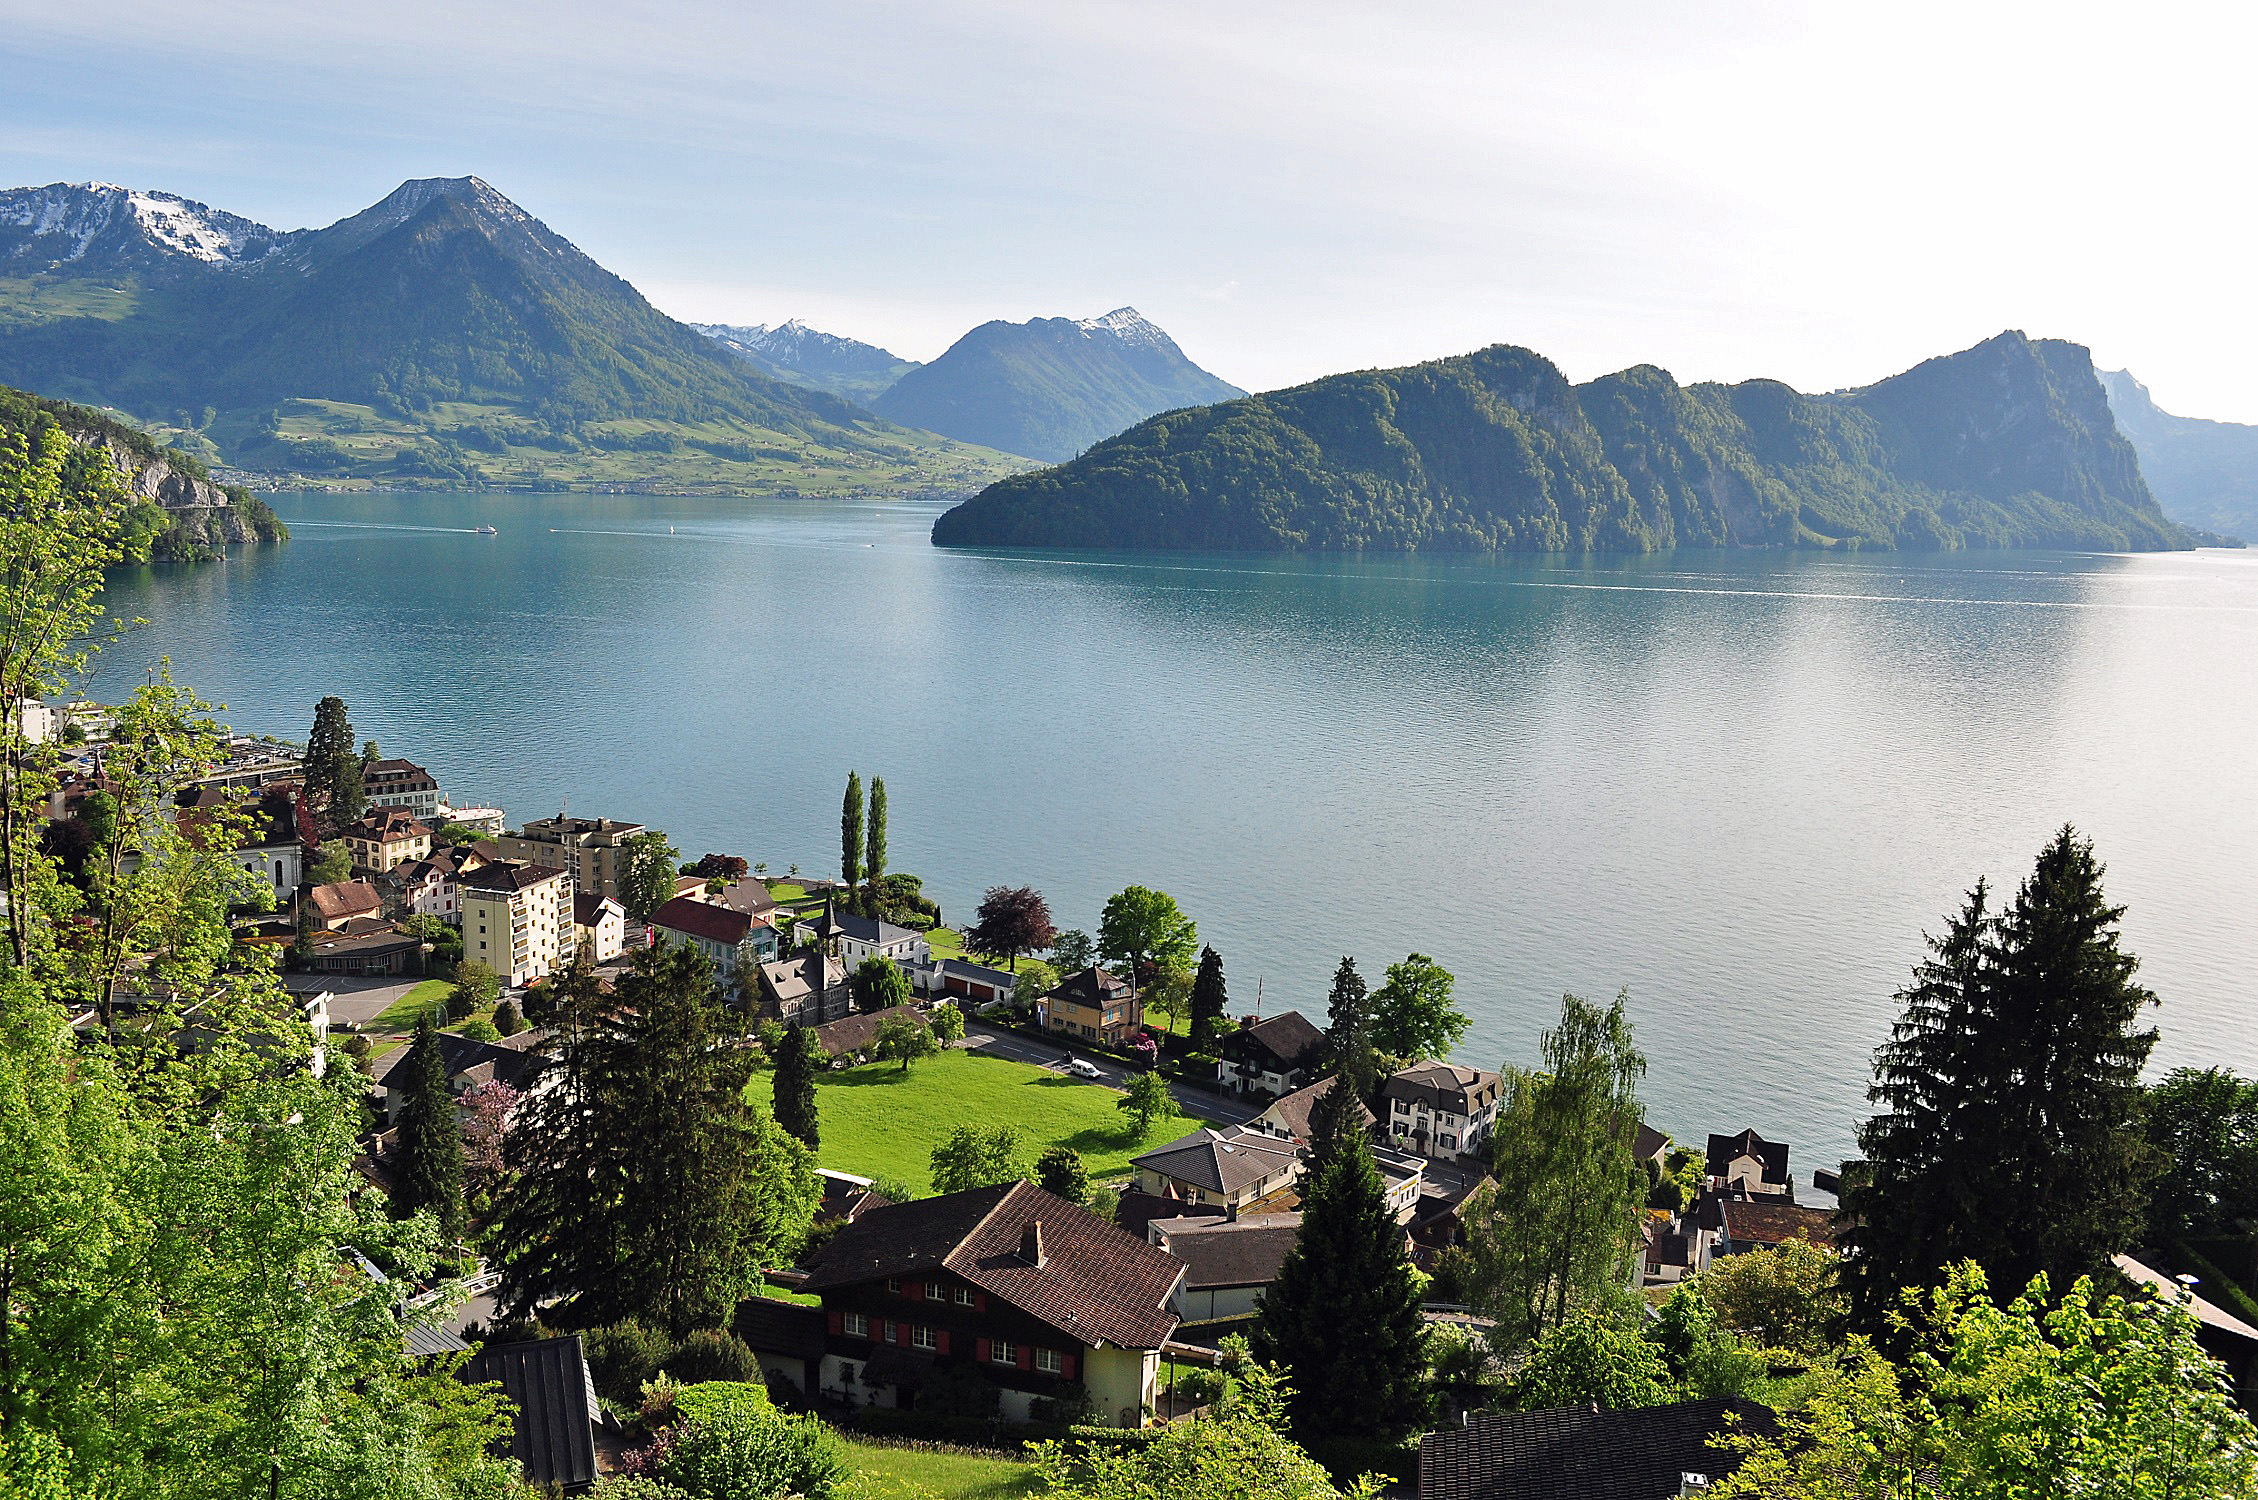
<point>703,919</point>
<point>1293,1110</point>
<point>396,775</point>
<point>857,1032</point>
<point>1764,1221</point>
<point>1096,1283</point>
<point>388,824</point>
<point>1278,1045</point>
<point>347,898</point>
<point>1583,1453</point>
<point>503,876</point>
<point>1233,1252</point>
<point>1443,1085</point>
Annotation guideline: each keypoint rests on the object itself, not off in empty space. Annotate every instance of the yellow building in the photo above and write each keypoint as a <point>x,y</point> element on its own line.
<point>517,920</point>
<point>386,839</point>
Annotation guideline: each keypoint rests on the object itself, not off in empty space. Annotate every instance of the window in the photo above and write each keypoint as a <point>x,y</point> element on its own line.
<point>964,1296</point>
<point>1450,1143</point>
<point>893,1283</point>
<point>921,1337</point>
<point>1003,1353</point>
<point>1048,1362</point>
<point>893,1334</point>
<point>935,1292</point>
<point>1403,1106</point>
<point>856,1325</point>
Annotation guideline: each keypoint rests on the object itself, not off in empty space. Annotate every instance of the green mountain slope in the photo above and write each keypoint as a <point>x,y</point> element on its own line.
<point>2203,473</point>
<point>1051,387</point>
<point>445,335</point>
<point>2006,444</point>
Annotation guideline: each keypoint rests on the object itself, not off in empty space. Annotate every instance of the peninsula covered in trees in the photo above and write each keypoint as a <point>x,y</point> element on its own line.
<point>2007,444</point>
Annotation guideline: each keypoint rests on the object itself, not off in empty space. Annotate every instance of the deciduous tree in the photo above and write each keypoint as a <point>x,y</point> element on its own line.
<point>1143,926</point>
<point>972,1158</point>
<point>1059,1172</point>
<point>1072,951</point>
<point>1147,1100</point>
<point>1786,1298</point>
<point>1589,1358</point>
<point>646,874</point>
<point>2203,1124</point>
<point>879,984</point>
<point>903,1040</point>
<point>947,1022</point>
<point>1412,1017</point>
<point>1012,920</point>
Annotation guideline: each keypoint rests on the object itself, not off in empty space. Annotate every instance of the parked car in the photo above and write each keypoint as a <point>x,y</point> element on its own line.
<point>1082,1067</point>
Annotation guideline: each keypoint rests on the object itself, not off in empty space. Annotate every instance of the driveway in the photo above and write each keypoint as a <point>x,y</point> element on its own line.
<point>979,1036</point>
<point>356,1002</point>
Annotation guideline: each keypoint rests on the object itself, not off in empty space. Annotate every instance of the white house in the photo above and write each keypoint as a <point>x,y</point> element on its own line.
<point>1440,1110</point>
<point>851,939</point>
<point>601,923</point>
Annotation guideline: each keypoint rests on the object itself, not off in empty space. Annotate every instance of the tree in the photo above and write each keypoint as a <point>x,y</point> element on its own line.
<point>1059,1172</point>
<point>477,988</point>
<point>485,1116</point>
<point>2009,1132</point>
<point>970,1158</point>
<point>2204,1125</point>
<point>947,1022</point>
<point>1146,1100</point>
<point>1012,920</point>
<point>332,768</point>
<point>904,1039</point>
<point>1705,1359</point>
<point>1341,1318</point>
<point>1789,1298</point>
<point>646,1184</point>
<point>879,984</point>
<point>1588,1359</point>
<point>1072,951</point>
<point>507,1021</point>
<point>430,1179</point>
<point>1412,1016</point>
<point>646,874</point>
<point>1348,1032</point>
<point>850,835</point>
<point>370,755</point>
<point>874,842</point>
<point>1209,1000</point>
<point>332,862</point>
<point>1555,1229</point>
<point>1143,926</point>
<point>794,1088</point>
<point>1169,992</point>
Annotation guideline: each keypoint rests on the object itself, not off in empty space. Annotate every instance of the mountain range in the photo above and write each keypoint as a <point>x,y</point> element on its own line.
<point>2010,443</point>
<point>443,335</point>
<point>801,355</point>
<point>2203,473</point>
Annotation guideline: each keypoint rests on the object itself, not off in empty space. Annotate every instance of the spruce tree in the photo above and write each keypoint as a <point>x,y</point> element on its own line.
<point>1059,1171</point>
<point>2010,1130</point>
<point>430,1177</point>
<point>1209,1000</point>
<point>874,844</point>
<point>333,765</point>
<point>850,835</point>
<point>795,1087</point>
<point>1342,1316</point>
<point>1349,1030</point>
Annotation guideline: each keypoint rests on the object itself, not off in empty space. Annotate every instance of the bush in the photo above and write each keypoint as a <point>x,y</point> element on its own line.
<point>714,1354</point>
<point>506,1019</point>
<point>622,1356</point>
<point>713,1399</point>
<point>479,1029</point>
<point>743,1455</point>
<point>635,1487</point>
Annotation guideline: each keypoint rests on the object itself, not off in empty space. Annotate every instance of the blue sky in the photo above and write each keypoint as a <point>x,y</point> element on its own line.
<point>1821,193</point>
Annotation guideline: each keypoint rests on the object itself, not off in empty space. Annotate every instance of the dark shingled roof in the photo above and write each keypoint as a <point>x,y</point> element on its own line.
<point>791,1329</point>
<point>1445,1086</point>
<point>1232,1252</point>
<point>1096,1284</point>
<point>857,1033</point>
<point>1648,1143</point>
<point>1293,1110</point>
<point>1278,1045</point>
<point>703,919</point>
<point>1221,1161</point>
<point>1582,1453</point>
<point>553,1432</point>
<point>1774,1154</point>
<point>1766,1221</point>
<point>504,876</point>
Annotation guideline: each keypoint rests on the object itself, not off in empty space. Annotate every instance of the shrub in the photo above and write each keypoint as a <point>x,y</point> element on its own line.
<point>506,1019</point>
<point>714,1354</point>
<point>635,1487</point>
<point>621,1356</point>
<point>712,1399</point>
<point>743,1455</point>
<point>479,1029</point>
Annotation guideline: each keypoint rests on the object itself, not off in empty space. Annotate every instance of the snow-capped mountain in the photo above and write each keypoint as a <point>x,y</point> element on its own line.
<point>100,228</point>
<point>808,356</point>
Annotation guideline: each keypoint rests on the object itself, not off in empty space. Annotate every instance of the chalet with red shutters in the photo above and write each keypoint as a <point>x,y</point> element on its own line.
<point>1040,1298</point>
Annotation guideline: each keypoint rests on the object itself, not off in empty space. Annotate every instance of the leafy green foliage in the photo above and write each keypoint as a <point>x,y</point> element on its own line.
<point>2204,1125</point>
<point>1789,1298</point>
<point>1059,1172</point>
<point>476,988</point>
<point>1412,1017</point>
<point>1146,1100</point>
<point>333,769</point>
<point>879,984</point>
<point>2007,444</point>
<point>971,1158</point>
<point>332,862</point>
<point>794,1090</point>
<point>1012,920</point>
<point>1143,926</point>
<point>740,1454</point>
<point>1704,1358</point>
<point>1589,1359</point>
<point>874,836</point>
<point>904,1040</point>
<point>947,1022</point>
<point>646,876</point>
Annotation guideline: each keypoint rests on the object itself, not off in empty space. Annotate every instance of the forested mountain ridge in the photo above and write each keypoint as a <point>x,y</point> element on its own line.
<point>2203,473</point>
<point>2009,443</point>
<point>442,334</point>
<point>1051,387</point>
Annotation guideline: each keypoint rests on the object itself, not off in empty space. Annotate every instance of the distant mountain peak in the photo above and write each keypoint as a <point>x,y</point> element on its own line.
<point>793,351</point>
<point>108,226</point>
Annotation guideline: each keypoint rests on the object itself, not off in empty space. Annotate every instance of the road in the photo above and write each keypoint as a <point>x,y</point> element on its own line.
<point>1222,1109</point>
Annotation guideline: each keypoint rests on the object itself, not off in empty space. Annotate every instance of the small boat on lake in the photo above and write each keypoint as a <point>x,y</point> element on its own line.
<point>487,531</point>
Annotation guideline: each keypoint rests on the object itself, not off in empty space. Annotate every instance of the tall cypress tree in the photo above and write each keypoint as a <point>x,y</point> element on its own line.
<point>1342,1315</point>
<point>431,1138</point>
<point>1349,1030</point>
<point>1209,1000</point>
<point>874,846</point>
<point>795,1088</point>
<point>2010,1130</point>
<point>850,835</point>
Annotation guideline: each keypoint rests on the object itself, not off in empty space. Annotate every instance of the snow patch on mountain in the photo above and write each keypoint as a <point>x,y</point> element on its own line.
<point>1129,326</point>
<point>63,222</point>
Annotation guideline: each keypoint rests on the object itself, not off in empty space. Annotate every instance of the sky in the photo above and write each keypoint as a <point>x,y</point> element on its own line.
<point>1822,193</point>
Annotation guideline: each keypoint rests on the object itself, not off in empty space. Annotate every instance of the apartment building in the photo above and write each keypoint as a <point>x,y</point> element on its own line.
<point>517,919</point>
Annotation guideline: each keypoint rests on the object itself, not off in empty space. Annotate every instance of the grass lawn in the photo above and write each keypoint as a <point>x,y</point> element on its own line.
<point>401,1014</point>
<point>880,1122</point>
<point>883,1473</point>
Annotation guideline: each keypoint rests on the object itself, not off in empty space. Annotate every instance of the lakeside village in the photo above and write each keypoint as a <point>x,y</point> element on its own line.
<point>1055,1184</point>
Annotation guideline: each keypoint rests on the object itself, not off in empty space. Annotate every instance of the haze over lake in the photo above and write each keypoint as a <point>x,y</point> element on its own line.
<point>1742,784</point>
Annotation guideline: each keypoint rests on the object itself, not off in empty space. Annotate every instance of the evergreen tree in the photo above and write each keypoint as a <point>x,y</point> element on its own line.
<point>1348,1032</point>
<point>1059,1172</point>
<point>2010,1133</point>
<point>1209,1001</point>
<point>431,1139</point>
<point>1342,1316</point>
<point>333,765</point>
<point>850,835</point>
<point>874,843</point>
<point>795,1087</point>
<point>647,1186</point>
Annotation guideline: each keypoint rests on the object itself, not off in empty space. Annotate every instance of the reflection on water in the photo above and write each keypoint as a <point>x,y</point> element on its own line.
<point>1741,784</point>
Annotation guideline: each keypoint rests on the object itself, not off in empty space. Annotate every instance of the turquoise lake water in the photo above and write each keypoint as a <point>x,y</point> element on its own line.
<point>1741,784</point>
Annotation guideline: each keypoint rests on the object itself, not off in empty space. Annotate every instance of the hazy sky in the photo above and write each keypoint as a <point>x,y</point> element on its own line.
<point>1824,193</point>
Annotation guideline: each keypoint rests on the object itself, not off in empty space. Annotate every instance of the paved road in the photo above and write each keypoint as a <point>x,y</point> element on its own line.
<point>358,1001</point>
<point>979,1036</point>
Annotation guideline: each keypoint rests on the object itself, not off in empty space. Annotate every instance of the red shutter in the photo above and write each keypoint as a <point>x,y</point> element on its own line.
<point>838,1321</point>
<point>941,1341</point>
<point>1026,1356</point>
<point>980,1350</point>
<point>901,1332</point>
<point>980,1301</point>
<point>1066,1365</point>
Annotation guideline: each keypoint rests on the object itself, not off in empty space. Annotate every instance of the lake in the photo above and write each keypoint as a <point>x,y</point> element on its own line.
<point>1743,785</point>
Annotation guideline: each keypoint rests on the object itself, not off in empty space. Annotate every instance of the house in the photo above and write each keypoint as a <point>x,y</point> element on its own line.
<point>334,905</point>
<point>601,923</point>
<point>852,939</point>
<point>517,919</point>
<point>748,895</point>
<point>470,1064</point>
<point>1229,1168</point>
<point>430,885</point>
<point>2223,1336</point>
<point>807,989</point>
<point>383,952</point>
<point>1041,1297</point>
<point>731,941</point>
<point>385,838</point>
<point>594,850</point>
<point>1650,1148</point>
<point>961,979</point>
<point>269,836</point>
<point>845,1196</point>
<point>486,820</point>
<point>553,1408</point>
<point>1749,1161</point>
<point>1227,1262</point>
<point>853,1036</point>
<point>1586,1453</point>
<point>1440,1109</point>
<point>1765,1220</point>
<point>1093,1005</point>
<point>1274,1056</point>
<point>1289,1116</point>
<point>788,1338</point>
<point>401,783</point>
